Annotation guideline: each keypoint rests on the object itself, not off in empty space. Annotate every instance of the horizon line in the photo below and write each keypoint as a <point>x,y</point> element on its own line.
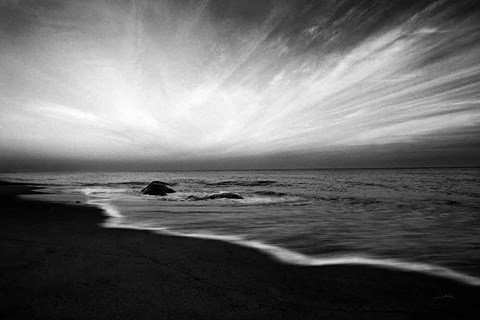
<point>257,169</point>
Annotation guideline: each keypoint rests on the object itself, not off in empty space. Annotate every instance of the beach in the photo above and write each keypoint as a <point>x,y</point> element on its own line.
<point>57,262</point>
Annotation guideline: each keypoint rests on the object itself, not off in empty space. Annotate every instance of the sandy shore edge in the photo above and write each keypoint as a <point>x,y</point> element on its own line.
<point>56,262</point>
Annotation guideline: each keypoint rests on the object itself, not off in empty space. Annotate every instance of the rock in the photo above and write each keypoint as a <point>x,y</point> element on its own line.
<point>194,198</point>
<point>223,195</point>
<point>157,188</point>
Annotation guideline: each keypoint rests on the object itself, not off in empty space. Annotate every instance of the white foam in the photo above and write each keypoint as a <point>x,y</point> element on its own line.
<point>92,191</point>
<point>292,257</point>
<point>110,210</point>
<point>268,200</point>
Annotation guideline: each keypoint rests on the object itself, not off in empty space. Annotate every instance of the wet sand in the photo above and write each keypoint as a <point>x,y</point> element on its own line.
<point>56,262</point>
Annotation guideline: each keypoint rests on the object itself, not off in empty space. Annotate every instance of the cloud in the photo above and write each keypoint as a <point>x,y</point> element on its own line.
<point>64,113</point>
<point>161,79</point>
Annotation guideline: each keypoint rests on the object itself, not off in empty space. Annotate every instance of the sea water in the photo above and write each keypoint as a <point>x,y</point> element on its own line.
<point>420,219</point>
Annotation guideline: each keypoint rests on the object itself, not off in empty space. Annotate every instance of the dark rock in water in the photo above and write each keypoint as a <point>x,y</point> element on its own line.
<point>224,195</point>
<point>157,188</point>
<point>77,201</point>
<point>194,198</point>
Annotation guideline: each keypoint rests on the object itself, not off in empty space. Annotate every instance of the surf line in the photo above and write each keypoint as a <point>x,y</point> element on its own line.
<point>115,220</point>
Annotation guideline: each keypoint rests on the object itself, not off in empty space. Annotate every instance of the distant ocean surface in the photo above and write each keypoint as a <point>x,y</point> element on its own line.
<point>422,218</point>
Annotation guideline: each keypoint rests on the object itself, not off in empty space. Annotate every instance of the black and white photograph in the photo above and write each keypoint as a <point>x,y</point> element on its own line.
<point>239,159</point>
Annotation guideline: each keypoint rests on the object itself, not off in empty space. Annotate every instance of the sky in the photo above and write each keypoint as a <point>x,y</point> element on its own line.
<point>238,84</point>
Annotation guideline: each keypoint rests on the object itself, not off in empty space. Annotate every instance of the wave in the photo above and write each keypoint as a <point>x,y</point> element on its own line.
<point>134,183</point>
<point>261,197</point>
<point>272,200</point>
<point>110,210</point>
<point>349,200</point>
<point>243,183</point>
<point>270,193</point>
<point>292,257</point>
<point>120,183</point>
<point>102,191</point>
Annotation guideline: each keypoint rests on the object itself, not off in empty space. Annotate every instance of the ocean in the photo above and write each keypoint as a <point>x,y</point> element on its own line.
<point>426,220</point>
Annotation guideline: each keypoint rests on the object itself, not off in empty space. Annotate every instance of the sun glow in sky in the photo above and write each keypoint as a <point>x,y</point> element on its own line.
<point>206,80</point>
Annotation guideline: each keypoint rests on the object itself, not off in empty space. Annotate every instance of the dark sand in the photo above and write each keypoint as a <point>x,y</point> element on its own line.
<point>57,263</point>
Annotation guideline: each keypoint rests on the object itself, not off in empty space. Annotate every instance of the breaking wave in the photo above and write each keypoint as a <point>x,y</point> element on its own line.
<point>270,193</point>
<point>294,258</point>
<point>243,183</point>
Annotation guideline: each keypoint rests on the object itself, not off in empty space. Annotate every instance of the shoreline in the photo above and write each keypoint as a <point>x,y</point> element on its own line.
<point>291,257</point>
<point>115,220</point>
<point>58,262</point>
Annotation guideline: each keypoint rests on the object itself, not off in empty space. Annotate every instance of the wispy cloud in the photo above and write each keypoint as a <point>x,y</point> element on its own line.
<point>151,78</point>
<point>64,113</point>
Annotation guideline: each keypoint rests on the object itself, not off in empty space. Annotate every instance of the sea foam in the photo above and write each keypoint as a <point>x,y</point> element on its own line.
<point>292,257</point>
